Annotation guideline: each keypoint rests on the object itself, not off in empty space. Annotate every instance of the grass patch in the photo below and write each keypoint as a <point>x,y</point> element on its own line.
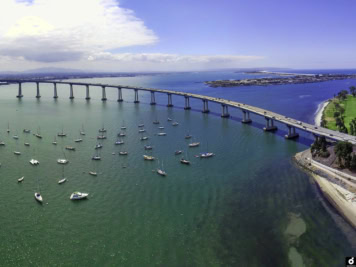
<point>350,112</point>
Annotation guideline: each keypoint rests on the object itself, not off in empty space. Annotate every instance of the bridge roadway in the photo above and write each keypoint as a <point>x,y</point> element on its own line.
<point>270,116</point>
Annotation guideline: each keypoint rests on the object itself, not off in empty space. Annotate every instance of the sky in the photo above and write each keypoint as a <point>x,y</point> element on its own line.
<point>177,35</point>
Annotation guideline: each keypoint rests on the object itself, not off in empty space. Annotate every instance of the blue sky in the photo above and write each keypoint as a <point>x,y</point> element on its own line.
<point>179,35</point>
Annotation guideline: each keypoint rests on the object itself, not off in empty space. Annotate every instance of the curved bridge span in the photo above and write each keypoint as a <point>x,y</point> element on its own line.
<point>269,116</point>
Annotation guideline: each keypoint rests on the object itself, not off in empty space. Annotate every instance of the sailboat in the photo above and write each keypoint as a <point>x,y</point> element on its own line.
<point>119,142</point>
<point>98,146</point>
<point>187,136</point>
<point>102,129</point>
<point>82,132</point>
<point>148,147</point>
<point>185,161</point>
<point>121,134</point>
<point>93,173</point>
<point>169,119</point>
<point>206,154</point>
<point>38,134</point>
<point>156,121</point>
<point>78,139</point>
<point>96,156</point>
<point>54,141</point>
<point>123,127</point>
<point>26,131</point>
<point>20,179</point>
<point>8,128</point>
<point>78,195</point>
<point>160,171</point>
<point>17,152</point>
<point>2,143</point>
<point>16,136</point>
<point>175,123</point>
<point>63,180</point>
<point>147,157</point>
<point>63,161</point>
<point>62,134</point>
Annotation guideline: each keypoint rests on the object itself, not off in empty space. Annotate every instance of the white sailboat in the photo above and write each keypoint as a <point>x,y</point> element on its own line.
<point>79,139</point>
<point>54,141</point>
<point>160,171</point>
<point>63,180</point>
<point>96,156</point>
<point>147,157</point>
<point>82,132</point>
<point>62,134</point>
<point>38,134</point>
<point>63,161</point>
<point>20,179</point>
<point>78,195</point>
<point>38,197</point>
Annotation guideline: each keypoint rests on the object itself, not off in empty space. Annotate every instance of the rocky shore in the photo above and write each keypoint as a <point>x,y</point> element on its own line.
<point>338,188</point>
<point>297,79</point>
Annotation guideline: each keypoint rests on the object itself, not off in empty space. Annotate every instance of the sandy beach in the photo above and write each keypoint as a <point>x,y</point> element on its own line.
<point>319,112</point>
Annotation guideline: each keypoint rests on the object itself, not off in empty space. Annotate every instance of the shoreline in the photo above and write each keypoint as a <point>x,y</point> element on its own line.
<point>338,191</point>
<point>319,112</point>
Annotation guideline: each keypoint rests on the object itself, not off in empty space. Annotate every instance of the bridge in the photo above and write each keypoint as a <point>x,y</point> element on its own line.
<point>247,110</point>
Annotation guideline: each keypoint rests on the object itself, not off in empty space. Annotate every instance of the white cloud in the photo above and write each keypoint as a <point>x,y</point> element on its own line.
<point>62,30</point>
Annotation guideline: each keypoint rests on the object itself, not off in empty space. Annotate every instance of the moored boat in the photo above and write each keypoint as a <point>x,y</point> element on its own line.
<point>38,197</point>
<point>93,173</point>
<point>148,147</point>
<point>178,152</point>
<point>119,142</point>
<point>194,144</point>
<point>17,152</point>
<point>62,161</point>
<point>162,134</point>
<point>147,157</point>
<point>123,153</point>
<point>78,195</point>
<point>27,144</point>
<point>144,138</point>
<point>20,179</point>
<point>62,181</point>
<point>34,162</point>
<point>70,148</point>
<point>184,161</point>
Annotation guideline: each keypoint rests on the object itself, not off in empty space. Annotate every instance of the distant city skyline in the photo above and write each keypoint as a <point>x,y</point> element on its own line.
<point>156,35</point>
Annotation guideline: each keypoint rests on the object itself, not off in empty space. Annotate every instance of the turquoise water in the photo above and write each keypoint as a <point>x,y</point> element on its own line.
<point>229,210</point>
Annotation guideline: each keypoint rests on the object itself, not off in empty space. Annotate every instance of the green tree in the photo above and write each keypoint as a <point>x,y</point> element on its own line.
<point>343,150</point>
<point>336,114</point>
<point>353,90</point>
<point>353,162</point>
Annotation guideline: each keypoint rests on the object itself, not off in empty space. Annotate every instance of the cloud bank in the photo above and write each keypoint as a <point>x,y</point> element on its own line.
<point>80,33</point>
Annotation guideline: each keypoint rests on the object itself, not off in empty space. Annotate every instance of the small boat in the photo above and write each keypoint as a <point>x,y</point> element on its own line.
<point>169,119</point>
<point>26,130</point>
<point>27,144</point>
<point>175,123</point>
<point>142,130</point>
<point>113,153</point>
<point>34,162</point>
<point>62,161</point>
<point>206,155</point>
<point>70,148</point>
<point>98,146</point>
<point>156,122</point>
<point>15,136</point>
<point>141,125</point>
<point>123,128</point>
<point>78,140</point>
<point>123,153</point>
<point>8,128</point>
<point>161,172</point>
<point>184,161</point>
<point>102,130</point>
<point>195,144</point>
<point>119,142</point>
<point>93,173</point>
<point>17,152</point>
<point>20,179</point>
<point>143,138</point>
<point>148,147</point>
<point>2,143</point>
<point>178,152</point>
<point>62,181</point>
<point>101,137</point>
<point>38,197</point>
<point>96,157</point>
<point>161,134</point>
<point>78,195</point>
<point>62,134</point>
<point>55,141</point>
<point>38,134</point>
<point>121,134</point>
<point>187,136</point>
<point>147,157</point>
<point>161,127</point>
<point>82,132</point>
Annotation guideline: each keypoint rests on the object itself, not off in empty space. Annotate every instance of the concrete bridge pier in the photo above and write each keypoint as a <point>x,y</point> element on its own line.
<point>225,111</point>
<point>205,106</point>
<point>19,95</point>
<point>170,103</point>
<point>87,96</point>
<point>103,97</point>
<point>153,98</point>
<point>246,118</point>
<point>291,133</point>
<point>38,90</point>
<point>187,104</point>
<point>55,95</point>
<point>136,97</point>
<point>269,127</point>
<point>71,95</point>
<point>119,99</point>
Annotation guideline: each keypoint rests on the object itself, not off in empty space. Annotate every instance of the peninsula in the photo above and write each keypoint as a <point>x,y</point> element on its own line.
<point>296,79</point>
